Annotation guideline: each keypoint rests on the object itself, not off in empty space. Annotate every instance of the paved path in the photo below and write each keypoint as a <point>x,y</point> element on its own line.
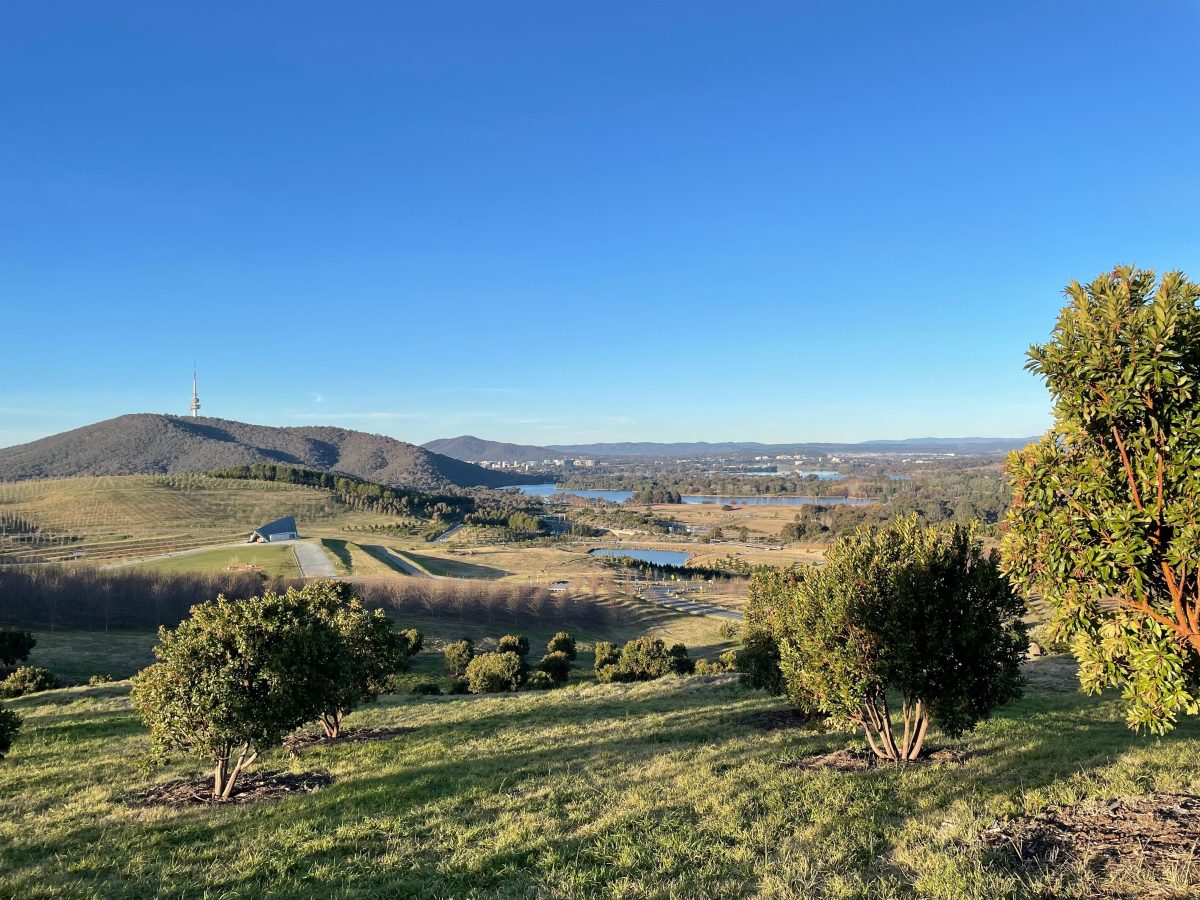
<point>395,560</point>
<point>313,560</point>
<point>445,536</point>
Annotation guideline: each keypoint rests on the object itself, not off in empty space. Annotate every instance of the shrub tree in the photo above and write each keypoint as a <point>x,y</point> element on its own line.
<point>539,681</point>
<point>1105,517</point>
<point>458,656</point>
<point>606,654</point>
<point>27,680</point>
<point>369,654</point>
<point>557,665</point>
<point>562,642</point>
<point>757,663</point>
<point>513,643</point>
<point>644,659</point>
<point>493,673</point>
<point>10,724</point>
<point>15,646</point>
<point>234,678</point>
<point>907,610</point>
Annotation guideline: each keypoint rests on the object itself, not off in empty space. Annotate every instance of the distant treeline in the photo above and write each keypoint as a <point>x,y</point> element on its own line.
<point>58,598</point>
<point>715,485</point>
<point>357,492</point>
<point>658,570</point>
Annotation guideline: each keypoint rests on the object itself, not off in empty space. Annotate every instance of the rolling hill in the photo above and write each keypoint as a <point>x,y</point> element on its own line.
<point>152,444</point>
<point>469,448</point>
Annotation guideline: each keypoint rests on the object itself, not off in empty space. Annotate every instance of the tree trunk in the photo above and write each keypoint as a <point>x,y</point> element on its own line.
<point>245,758</point>
<point>876,722</point>
<point>331,723</point>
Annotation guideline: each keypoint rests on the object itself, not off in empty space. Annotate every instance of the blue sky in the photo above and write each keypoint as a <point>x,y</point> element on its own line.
<point>556,222</point>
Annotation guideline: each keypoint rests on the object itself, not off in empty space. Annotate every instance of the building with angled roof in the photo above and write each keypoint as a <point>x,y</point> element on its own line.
<point>280,530</point>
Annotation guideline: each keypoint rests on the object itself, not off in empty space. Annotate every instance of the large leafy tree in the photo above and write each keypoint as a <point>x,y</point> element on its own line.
<point>902,610</point>
<point>1105,520</point>
<point>235,677</point>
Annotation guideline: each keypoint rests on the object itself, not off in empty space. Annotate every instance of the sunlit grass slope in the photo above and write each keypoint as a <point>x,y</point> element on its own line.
<point>665,789</point>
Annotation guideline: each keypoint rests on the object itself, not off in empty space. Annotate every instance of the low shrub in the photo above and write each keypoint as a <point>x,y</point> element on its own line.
<point>557,665</point>
<point>430,688</point>
<point>494,673</point>
<point>726,662</point>
<point>10,724</point>
<point>644,659</point>
<point>513,643</point>
<point>27,680</point>
<point>606,654</point>
<point>100,679</point>
<point>459,685</point>
<point>562,642</point>
<point>458,656</point>
<point>540,681</point>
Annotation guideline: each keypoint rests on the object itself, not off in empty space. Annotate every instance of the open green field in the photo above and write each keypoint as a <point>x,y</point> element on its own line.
<point>270,559</point>
<point>666,789</point>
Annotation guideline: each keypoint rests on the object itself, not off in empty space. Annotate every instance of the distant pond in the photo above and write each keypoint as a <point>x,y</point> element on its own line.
<point>657,557</point>
<point>545,490</point>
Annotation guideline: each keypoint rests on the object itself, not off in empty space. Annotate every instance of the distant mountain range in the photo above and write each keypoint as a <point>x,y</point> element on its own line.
<point>474,449</point>
<point>146,443</point>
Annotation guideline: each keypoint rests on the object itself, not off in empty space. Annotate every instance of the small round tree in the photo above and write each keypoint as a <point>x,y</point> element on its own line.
<point>458,655</point>
<point>15,646</point>
<point>562,642</point>
<point>10,724</point>
<point>234,678</point>
<point>370,650</point>
<point>1105,520</point>
<point>492,673</point>
<point>557,665</point>
<point>904,609</point>
<point>513,643</point>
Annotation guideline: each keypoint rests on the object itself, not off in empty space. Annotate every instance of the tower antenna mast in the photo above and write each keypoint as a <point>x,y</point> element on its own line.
<point>195,405</point>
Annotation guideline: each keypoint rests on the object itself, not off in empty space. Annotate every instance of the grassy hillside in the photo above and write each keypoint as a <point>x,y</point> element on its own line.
<point>277,560</point>
<point>147,444</point>
<point>119,517</point>
<point>668,789</point>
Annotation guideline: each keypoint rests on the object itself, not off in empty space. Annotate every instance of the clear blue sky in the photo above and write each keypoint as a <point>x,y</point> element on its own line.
<point>554,222</point>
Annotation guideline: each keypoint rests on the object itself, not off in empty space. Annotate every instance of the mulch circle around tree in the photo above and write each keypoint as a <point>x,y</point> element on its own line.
<point>253,788</point>
<point>848,760</point>
<point>1158,830</point>
<point>350,736</point>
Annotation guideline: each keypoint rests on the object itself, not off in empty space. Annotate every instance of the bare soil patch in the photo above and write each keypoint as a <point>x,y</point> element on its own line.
<point>253,788</point>
<point>848,760</point>
<point>1157,832</point>
<point>298,742</point>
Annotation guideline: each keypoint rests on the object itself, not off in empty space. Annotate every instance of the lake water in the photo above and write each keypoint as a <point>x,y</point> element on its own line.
<point>658,557</point>
<point>545,490</point>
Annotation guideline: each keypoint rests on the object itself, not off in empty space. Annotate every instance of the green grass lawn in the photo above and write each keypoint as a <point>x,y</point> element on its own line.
<point>656,790</point>
<point>275,559</point>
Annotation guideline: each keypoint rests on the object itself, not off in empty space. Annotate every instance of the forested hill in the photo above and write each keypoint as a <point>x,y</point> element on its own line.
<point>148,444</point>
<point>472,449</point>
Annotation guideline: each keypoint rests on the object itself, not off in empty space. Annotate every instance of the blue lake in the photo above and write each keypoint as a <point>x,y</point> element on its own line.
<point>545,490</point>
<point>658,557</point>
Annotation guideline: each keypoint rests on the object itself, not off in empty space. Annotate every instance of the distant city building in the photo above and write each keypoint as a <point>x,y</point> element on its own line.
<point>280,530</point>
